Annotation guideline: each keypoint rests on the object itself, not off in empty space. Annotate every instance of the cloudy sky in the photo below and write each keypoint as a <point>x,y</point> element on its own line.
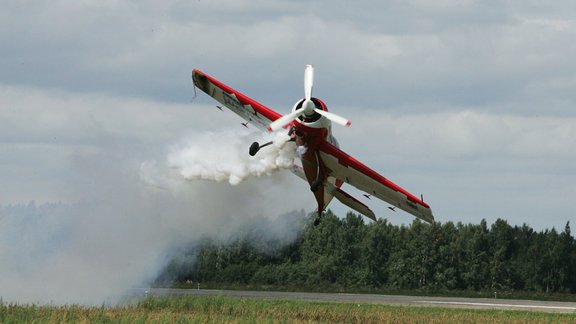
<point>471,103</point>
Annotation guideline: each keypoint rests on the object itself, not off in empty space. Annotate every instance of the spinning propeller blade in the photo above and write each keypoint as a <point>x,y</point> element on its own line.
<point>308,107</point>
<point>333,117</point>
<point>308,81</point>
<point>284,120</point>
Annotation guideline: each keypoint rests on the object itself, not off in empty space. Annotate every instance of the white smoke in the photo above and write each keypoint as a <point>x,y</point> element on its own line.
<point>130,215</point>
<point>223,157</point>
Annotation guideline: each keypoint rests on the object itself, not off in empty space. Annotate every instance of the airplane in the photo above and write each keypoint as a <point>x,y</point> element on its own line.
<point>324,166</point>
<point>245,124</point>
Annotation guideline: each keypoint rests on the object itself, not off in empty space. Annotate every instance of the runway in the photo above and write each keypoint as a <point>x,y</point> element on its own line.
<point>421,301</point>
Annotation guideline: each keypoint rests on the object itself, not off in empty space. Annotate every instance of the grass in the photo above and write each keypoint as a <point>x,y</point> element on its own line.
<point>186,309</point>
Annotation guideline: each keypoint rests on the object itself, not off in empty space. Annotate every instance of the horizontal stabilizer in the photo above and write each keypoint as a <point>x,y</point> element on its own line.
<point>354,203</point>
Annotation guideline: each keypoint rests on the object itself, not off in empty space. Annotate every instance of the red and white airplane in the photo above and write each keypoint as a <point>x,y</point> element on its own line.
<point>324,165</point>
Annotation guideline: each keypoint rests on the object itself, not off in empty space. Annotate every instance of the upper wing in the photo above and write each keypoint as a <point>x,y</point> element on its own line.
<point>249,109</point>
<point>342,166</point>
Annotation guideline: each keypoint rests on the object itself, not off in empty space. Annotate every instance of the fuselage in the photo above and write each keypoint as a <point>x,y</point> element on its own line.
<point>309,131</point>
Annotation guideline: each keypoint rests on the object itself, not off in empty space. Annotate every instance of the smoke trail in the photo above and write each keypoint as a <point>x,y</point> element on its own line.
<point>224,157</point>
<point>130,215</point>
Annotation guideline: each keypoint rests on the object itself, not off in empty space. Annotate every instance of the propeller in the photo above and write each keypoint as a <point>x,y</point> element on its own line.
<point>308,81</point>
<point>333,117</point>
<point>308,107</point>
<point>284,120</point>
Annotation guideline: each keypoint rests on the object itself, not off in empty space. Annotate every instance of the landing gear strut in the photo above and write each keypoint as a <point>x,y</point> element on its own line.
<point>319,176</point>
<point>255,147</point>
<point>318,219</point>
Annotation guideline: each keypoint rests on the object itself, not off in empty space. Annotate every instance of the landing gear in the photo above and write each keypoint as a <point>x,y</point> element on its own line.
<point>255,147</point>
<point>316,184</point>
<point>319,176</point>
<point>318,219</point>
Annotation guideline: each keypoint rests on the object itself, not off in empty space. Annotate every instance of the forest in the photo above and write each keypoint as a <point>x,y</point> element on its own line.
<point>348,253</point>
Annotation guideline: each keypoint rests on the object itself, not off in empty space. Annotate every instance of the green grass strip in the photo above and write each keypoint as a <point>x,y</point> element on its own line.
<point>190,309</point>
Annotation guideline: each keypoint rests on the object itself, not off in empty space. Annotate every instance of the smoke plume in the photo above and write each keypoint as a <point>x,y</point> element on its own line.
<point>224,157</point>
<point>128,216</point>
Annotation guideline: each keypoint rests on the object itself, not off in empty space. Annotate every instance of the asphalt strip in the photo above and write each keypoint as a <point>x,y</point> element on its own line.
<point>563,308</point>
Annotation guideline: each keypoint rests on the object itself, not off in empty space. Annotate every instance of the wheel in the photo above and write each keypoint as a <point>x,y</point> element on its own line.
<point>315,185</point>
<point>317,221</point>
<point>254,148</point>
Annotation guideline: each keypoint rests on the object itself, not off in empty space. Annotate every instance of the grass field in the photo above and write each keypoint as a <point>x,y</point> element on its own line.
<point>187,309</point>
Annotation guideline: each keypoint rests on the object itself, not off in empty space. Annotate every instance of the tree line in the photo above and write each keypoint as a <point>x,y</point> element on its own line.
<point>349,253</point>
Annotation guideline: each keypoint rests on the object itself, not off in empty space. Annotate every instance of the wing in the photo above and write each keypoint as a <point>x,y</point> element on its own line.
<point>354,203</point>
<point>249,109</point>
<point>346,168</point>
<point>331,190</point>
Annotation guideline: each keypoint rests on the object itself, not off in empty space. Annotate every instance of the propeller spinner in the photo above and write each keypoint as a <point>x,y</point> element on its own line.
<point>308,107</point>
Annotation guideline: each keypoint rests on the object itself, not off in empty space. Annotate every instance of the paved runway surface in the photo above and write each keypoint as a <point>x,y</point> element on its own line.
<point>476,303</point>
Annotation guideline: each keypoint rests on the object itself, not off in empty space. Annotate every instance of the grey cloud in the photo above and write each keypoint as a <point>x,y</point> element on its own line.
<point>470,53</point>
<point>473,165</point>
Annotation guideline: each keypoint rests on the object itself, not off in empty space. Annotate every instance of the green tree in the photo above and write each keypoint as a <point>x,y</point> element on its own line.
<point>475,270</point>
<point>321,250</point>
<point>411,263</point>
<point>572,262</point>
<point>347,253</point>
<point>568,259</point>
<point>449,248</point>
<point>500,265</point>
<point>525,259</point>
<point>377,248</point>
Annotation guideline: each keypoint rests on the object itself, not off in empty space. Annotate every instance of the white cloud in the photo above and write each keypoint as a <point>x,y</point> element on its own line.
<point>472,165</point>
<point>464,53</point>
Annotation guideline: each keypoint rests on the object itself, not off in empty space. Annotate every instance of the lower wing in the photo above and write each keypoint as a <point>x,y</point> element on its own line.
<point>330,190</point>
<point>346,168</point>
